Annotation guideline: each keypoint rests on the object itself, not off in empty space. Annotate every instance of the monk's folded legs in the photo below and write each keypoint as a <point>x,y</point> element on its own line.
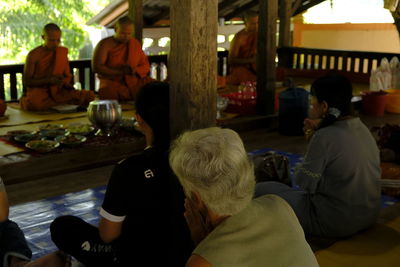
<point>37,99</point>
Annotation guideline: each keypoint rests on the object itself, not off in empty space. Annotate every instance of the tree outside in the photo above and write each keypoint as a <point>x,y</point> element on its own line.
<point>22,21</point>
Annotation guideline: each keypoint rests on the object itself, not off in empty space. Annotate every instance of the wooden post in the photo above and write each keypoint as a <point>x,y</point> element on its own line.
<point>135,13</point>
<point>192,66</point>
<point>285,10</point>
<point>266,53</point>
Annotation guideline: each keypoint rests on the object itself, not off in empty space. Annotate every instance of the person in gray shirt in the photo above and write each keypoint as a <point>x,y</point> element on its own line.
<point>339,179</point>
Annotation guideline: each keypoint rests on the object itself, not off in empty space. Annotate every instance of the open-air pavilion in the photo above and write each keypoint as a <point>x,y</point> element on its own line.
<point>194,95</point>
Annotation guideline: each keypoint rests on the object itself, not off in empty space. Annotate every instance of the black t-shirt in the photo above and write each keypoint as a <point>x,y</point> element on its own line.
<point>146,196</point>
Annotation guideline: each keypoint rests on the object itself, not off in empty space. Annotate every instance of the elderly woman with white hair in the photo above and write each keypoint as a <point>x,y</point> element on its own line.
<point>227,226</point>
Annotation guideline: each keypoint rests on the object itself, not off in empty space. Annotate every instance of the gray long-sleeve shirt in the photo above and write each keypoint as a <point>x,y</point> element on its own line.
<point>341,171</point>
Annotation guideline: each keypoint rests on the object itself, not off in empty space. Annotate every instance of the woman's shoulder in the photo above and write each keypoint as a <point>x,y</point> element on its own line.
<point>271,202</point>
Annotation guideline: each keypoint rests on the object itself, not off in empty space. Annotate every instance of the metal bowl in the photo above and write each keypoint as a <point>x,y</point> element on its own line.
<point>24,138</point>
<point>105,115</point>
<point>71,140</point>
<point>42,146</point>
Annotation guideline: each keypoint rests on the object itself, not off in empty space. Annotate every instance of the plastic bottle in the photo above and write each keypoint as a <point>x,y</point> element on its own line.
<point>153,70</point>
<point>163,71</point>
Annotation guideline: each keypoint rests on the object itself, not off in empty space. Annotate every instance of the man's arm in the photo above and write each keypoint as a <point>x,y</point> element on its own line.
<point>100,58</point>
<point>113,210</point>
<point>233,58</point>
<point>67,76</point>
<point>143,67</point>
<point>29,70</point>
<point>108,230</point>
<point>4,206</point>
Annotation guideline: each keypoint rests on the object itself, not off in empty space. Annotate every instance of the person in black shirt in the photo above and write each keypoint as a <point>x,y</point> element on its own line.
<point>142,213</point>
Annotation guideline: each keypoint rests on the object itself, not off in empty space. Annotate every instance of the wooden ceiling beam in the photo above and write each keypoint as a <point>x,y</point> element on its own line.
<point>306,5</point>
<point>296,4</point>
<point>226,4</point>
<point>241,9</point>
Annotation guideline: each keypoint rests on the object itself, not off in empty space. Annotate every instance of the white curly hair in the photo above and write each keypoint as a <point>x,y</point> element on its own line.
<point>214,163</point>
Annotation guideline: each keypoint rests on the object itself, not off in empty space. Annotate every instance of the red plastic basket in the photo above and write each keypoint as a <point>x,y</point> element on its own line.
<point>243,103</point>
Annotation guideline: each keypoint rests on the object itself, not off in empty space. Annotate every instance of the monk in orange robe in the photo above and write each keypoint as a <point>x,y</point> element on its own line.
<point>47,75</point>
<point>121,64</point>
<point>242,53</point>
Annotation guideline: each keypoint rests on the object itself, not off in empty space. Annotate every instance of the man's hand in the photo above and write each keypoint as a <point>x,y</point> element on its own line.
<point>127,70</point>
<point>68,87</point>
<point>197,220</point>
<point>56,80</point>
<point>310,126</point>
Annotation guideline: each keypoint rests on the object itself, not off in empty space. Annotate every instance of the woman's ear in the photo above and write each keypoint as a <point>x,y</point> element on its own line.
<point>325,107</point>
<point>138,118</point>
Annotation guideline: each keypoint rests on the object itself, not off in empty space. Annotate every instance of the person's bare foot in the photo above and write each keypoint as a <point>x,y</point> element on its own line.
<point>55,259</point>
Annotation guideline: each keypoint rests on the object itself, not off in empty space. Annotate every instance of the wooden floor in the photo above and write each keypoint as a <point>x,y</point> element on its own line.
<point>260,137</point>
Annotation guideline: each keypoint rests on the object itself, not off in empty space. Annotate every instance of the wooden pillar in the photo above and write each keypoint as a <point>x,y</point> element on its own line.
<point>192,65</point>
<point>285,12</point>
<point>135,13</point>
<point>396,18</point>
<point>266,53</point>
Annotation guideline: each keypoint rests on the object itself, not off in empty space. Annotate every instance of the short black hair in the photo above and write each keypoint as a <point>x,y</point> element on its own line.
<point>152,104</point>
<point>249,14</point>
<point>50,27</point>
<point>336,90</point>
<point>124,21</point>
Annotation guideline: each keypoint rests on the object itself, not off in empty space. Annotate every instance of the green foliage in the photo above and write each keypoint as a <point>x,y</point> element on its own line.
<point>22,21</point>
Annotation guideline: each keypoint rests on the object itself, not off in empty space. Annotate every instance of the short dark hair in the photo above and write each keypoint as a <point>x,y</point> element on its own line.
<point>249,14</point>
<point>336,90</point>
<point>152,104</point>
<point>50,27</point>
<point>124,21</point>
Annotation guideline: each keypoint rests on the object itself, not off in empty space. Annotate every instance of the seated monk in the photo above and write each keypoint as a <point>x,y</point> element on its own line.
<point>121,64</point>
<point>48,77</point>
<point>242,53</point>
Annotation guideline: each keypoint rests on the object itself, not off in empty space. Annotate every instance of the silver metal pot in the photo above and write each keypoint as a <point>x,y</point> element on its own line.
<point>105,115</point>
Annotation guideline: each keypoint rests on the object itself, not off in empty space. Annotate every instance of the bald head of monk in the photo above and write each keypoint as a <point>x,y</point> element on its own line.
<point>51,36</point>
<point>251,21</point>
<point>124,29</point>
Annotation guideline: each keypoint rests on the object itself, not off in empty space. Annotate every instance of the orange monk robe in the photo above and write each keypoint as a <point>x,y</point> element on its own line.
<point>45,97</point>
<point>125,87</point>
<point>247,72</point>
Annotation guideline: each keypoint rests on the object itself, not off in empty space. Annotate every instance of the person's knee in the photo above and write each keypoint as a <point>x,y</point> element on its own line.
<point>64,225</point>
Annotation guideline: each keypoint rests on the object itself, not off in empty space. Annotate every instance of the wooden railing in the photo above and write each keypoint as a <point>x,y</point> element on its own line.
<point>11,84</point>
<point>311,63</point>
<point>295,61</point>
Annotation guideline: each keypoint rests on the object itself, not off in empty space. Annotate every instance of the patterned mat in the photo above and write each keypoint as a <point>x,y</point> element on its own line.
<point>35,217</point>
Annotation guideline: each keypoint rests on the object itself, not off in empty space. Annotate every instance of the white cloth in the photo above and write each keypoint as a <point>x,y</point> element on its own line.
<point>386,76</point>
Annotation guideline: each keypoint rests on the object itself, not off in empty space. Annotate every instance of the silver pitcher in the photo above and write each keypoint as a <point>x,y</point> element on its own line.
<point>105,115</point>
